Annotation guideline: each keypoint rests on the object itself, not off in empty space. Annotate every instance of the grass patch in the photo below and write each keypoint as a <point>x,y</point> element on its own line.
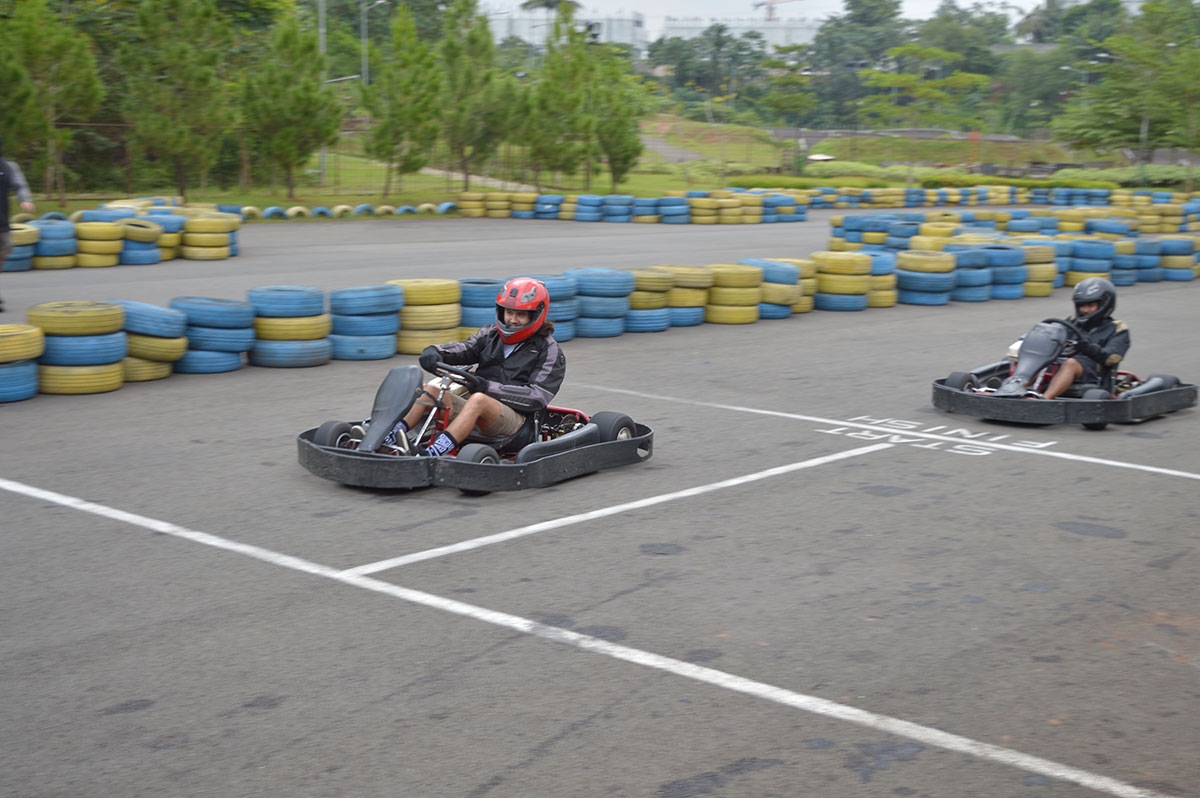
<point>875,150</point>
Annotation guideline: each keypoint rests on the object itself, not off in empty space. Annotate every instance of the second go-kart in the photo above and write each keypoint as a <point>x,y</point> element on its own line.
<point>1011,389</point>
<point>554,444</point>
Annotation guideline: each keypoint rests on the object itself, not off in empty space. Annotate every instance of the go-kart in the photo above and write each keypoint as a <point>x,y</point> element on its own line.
<point>553,445</point>
<point>1011,389</point>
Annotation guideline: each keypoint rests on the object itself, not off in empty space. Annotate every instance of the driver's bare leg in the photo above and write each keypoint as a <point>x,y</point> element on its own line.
<point>1068,371</point>
<point>480,410</point>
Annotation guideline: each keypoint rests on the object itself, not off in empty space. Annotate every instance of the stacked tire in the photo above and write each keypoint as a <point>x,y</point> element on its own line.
<point>972,277</point>
<point>172,235</point>
<point>674,210</point>
<point>547,206</point>
<point>589,208</point>
<point>20,347</point>
<point>496,205</point>
<point>688,294</point>
<point>806,268</point>
<point>140,247</point>
<point>1090,257</point>
<point>881,287</point>
<point>752,208</point>
<point>219,332</point>
<point>431,313</point>
<point>157,339</point>
<point>364,321</point>
<point>564,304</point>
<point>471,204</point>
<point>925,277</point>
<point>522,204</point>
<point>291,327</point>
<point>645,210</point>
<point>1041,275</point>
<point>24,246</point>
<point>1178,258</point>
<point>84,346</point>
<point>477,295</point>
<point>648,301</point>
<point>603,297</point>
<point>780,287</point>
<point>703,210</point>
<point>735,294</point>
<point>56,246</point>
<point>843,280</point>
<point>212,236</point>
<point>617,208</point>
<point>98,244</point>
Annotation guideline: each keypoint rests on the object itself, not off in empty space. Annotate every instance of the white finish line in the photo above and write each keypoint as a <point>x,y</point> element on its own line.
<point>558,523</point>
<point>1078,458</point>
<point>728,681</point>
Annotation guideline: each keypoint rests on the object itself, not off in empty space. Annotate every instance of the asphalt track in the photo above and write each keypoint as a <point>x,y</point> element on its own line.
<point>818,585</point>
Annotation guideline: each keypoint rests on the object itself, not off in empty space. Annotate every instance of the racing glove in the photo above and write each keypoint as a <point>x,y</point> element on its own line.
<point>1089,350</point>
<point>429,358</point>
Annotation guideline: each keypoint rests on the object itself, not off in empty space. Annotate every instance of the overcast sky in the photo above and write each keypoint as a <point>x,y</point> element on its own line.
<point>655,10</point>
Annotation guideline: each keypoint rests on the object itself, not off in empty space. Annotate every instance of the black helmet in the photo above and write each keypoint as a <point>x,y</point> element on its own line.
<point>1094,289</point>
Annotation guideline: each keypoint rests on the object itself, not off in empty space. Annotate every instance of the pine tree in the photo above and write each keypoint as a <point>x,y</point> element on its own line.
<point>558,127</point>
<point>617,103</point>
<point>474,118</point>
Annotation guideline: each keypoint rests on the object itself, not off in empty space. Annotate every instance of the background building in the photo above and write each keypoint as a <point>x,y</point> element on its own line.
<point>776,32</point>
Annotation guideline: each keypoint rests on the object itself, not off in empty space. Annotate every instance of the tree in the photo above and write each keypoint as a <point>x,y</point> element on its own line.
<point>176,98</point>
<point>20,124</point>
<point>61,71</point>
<point>788,78</point>
<point>403,100</point>
<point>921,96</point>
<point>843,47</point>
<point>286,101</point>
<point>617,103</point>
<point>474,119</point>
<point>558,127</point>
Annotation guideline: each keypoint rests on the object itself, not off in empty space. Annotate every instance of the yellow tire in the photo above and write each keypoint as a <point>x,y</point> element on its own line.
<point>729,220</point>
<point>471,213</point>
<point>925,261</point>
<point>385,210</point>
<point>734,275</point>
<point>170,240</point>
<point>647,300</point>
<point>497,214</point>
<point>521,206</point>
<point>99,231</point>
<point>803,305</point>
<point>688,276</point>
<point>652,280</point>
<point>292,328</point>
<point>679,297</point>
<point>411,342</point>
<point>843,283</point>
<point>167,253</point>
<point>1038,253</point>
<point>87,260</point>
<point>471,196</point>
<point>204,253</point>
<point>731,314</point>
<point>842,263</point>
<point>21,342</point>
<point>527,197</point>
<point>142,230</point>
<point>429,291</point>
<point>704,220</point>
<point>704,203</point>
<point>780,293</point>
<point>99,247</point>
<point>808,285</point>
<point>807,266</point>
<point>212,222</point>
<point>646,219</point>
<point>81,379</point>
<point>881,282</point>
<point>23,234</point>
<point>882,298</point>
<point>1038,288</point>
<point>1176,261</point>
<point>206,239</point>
<point>340,211</point>
<point>294,212</point>
<point>939,229</point>
<point>466,332</point>
<point>430,317</point>
<point>723,295</point>
<point>475,204</point>
<point>251,212</point>
<point>53,261</point>
<point>1042,273</point>
<point>1075,278</point>
<point>497,205</point>
<point>135,369</point>
<point>160,350</point>
<point>874,238</point>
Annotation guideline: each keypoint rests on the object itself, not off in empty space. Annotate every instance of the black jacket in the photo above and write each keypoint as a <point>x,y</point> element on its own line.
<point>1113,339</point>
<point>526,380</point>
<point>11,180</point>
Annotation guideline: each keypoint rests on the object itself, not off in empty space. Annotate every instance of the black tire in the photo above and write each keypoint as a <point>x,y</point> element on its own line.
<point>335,434</point>
<point>614,426</point>
<point>1169,380</point>
<point>1096,394</point>
<point>959,380</point>
<point>477,453</point>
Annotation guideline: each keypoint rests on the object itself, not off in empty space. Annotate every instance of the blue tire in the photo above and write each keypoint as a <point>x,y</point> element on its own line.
<point>146,319</point>
<point>560,286</point>
<point>520,214</point>
<point>321,210</point>
<point>564,330</point>
<point>774,271</point>
<point>17,265</point>
<point>1008,290</point>
<point>366,299</point>
<point>55,247</point>
<point>769,310</point>
<point>479,292</point>
<point>1099,250</point>
<point>274,212</point>
<point>22,252</point>
<point>365,209</point>
<point>1148,246</point>
<point>581,216</point>
<point>220,339</point>
<point>18,380</point>
<point>1151,275</point>
<point>366,324</point>
<point>173,224</point>
<point>1170,246</point>
<point>84,350</point>
<point>54,216</point>
<point>1178,275</point>
<point>405,209</point>
<point>1090,264</point>
<point>1009,275</point>
<point>603,307</point>
<point>292,354</point>
<point>286,301</point>
<point>617,219</point>
<point>686,316</point>
<point>563,309</point>
<point>476,316</point>
<point>680,219</point>
<point>597,281</point>
<point>213,312</point>
<point>446,207</point>
<point>140,257</point>
<point>972,293</point>
<point>138,246</point>
<point>362,347</point>
<point>925,281</point>
<point>1123,276</point>
<point>195,361</point>
<point>923,297</point>
<point>51,229</point>
<point>586,327</point>
<point>846,302</point>
<point>1003,254</point>
<point>969,278</point>
<point>655,320</point>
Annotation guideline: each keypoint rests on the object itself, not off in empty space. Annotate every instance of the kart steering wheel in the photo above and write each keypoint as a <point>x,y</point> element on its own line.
<point>1076,333</point>
<point>468,378</point>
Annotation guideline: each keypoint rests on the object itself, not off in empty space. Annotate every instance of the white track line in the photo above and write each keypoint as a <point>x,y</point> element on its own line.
<point>558,523</point>
<point>727,681</point>
<point>1079,458</point>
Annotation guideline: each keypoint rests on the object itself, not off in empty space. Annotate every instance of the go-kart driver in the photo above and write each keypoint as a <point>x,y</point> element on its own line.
<point>1106,341</point>
<point>519,369</point>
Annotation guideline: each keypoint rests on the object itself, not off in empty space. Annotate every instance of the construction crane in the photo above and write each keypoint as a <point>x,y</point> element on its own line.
<point>770,4</point>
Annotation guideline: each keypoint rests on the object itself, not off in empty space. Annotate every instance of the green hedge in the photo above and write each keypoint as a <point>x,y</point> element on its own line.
<point>1132,176</point>
<point>951,181</point>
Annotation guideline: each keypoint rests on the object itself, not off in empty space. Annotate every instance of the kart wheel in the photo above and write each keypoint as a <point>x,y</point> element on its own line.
<point>614,426</point>
<point>1095,394</point>
<point>335,434</point>
<point>960,380</point>
<point>477,453</point>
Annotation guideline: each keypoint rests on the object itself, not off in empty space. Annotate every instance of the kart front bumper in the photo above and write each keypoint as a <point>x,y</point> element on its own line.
<point>370,470</point>
<point>1062,411</point>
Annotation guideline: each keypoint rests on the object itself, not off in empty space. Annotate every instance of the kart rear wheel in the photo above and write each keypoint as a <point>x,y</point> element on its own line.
<point>478,453</point>
<point>335,434</point>
<point>614,426</point>
<point>1096,395</point>
<point>960,380</point>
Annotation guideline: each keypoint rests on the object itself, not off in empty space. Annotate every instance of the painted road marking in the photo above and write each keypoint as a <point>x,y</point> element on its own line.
<point>721,679</point>
<point>1005,447</point>
<point>558,523</point>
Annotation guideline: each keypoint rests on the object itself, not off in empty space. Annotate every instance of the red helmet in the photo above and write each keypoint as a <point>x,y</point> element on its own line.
<point>522,293</point>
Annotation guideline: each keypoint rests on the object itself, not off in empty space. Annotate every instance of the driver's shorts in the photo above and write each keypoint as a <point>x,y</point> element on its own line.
<point>1091,372</point>
<point>509,423</point>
